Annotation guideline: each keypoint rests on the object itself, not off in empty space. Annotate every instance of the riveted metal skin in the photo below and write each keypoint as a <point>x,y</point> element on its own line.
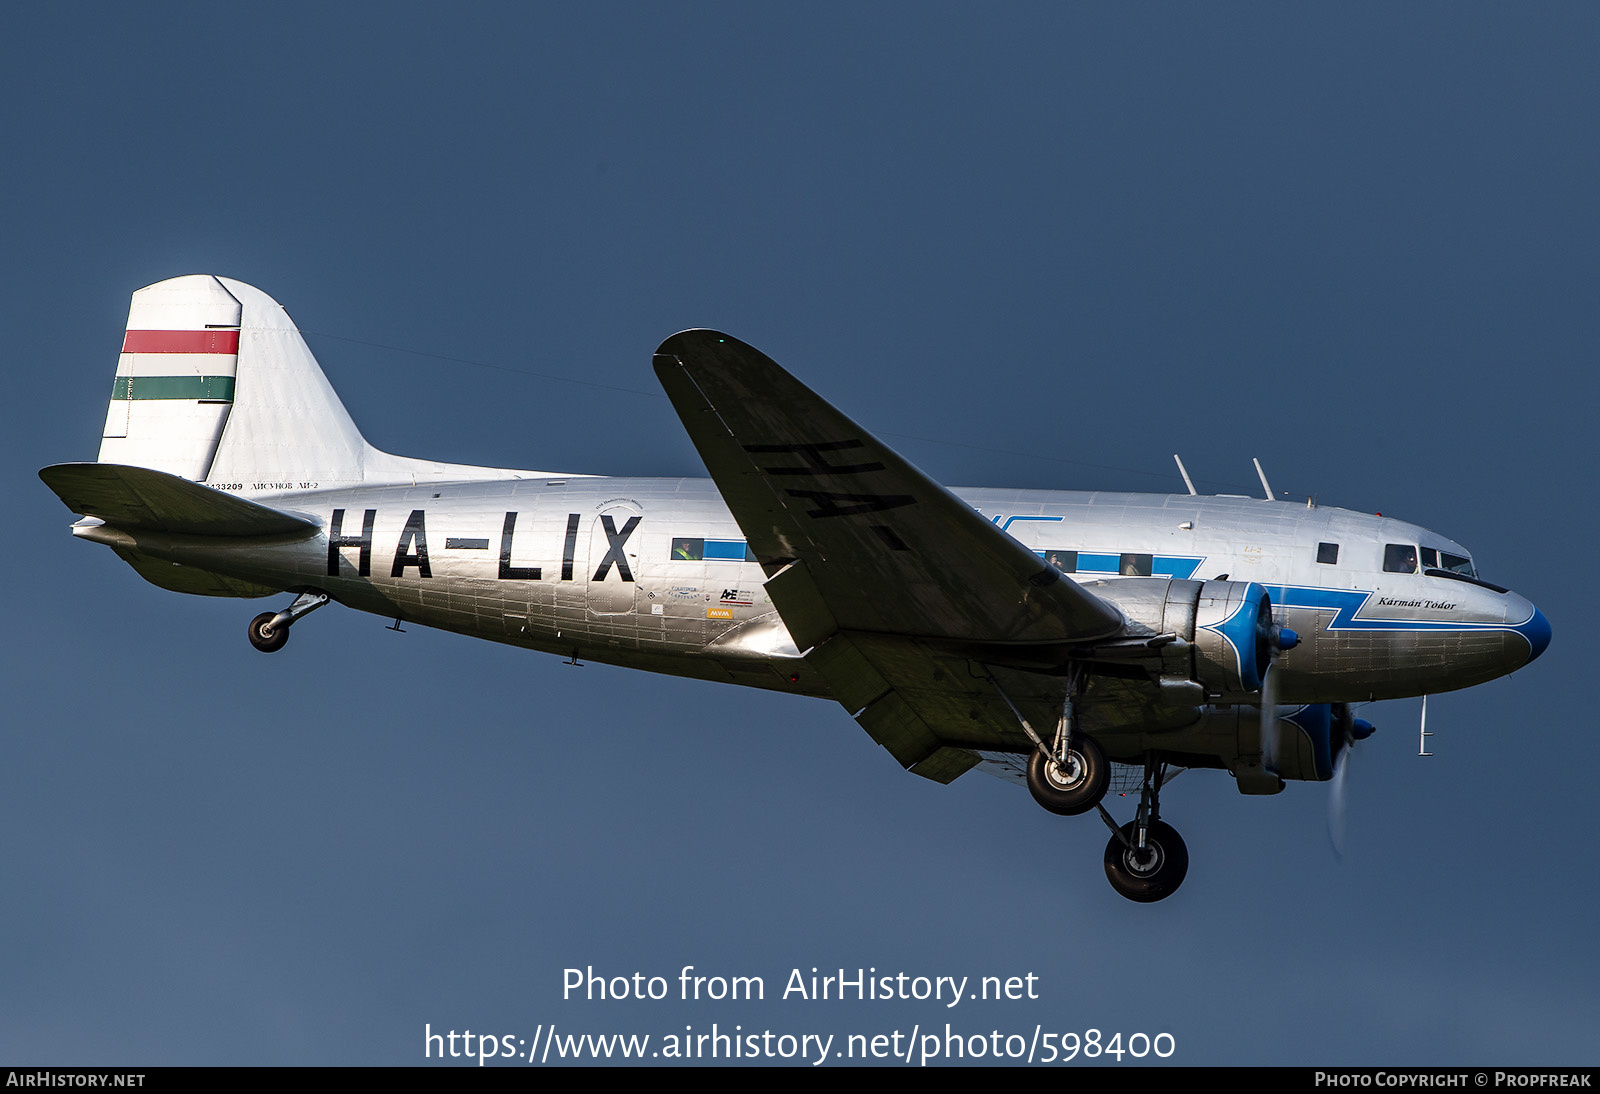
<point>815,561</point>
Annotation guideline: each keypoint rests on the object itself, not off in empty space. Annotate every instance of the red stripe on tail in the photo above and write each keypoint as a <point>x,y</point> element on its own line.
<point>181,341</point>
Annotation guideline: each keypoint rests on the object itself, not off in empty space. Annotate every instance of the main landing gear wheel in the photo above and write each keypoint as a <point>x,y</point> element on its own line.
<point>1151,873</point>
<point>1074,786</point>
<point>264,636</point>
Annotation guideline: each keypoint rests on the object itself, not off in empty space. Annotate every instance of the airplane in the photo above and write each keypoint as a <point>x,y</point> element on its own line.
<point>1068,641</point>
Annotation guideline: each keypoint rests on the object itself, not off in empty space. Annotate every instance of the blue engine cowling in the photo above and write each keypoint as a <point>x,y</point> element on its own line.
<point>1225,627</point>
<point>1232,636</point>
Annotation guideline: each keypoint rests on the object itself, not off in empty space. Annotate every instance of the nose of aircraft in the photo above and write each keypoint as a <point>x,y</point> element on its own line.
<point>1536,630</point>
<point>1508,633</point>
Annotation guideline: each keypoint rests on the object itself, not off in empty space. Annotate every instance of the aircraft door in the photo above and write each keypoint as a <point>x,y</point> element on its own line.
<point>614,561</point>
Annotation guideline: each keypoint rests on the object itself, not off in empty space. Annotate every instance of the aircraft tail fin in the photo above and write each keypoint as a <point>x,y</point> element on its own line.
<point>215,384</point>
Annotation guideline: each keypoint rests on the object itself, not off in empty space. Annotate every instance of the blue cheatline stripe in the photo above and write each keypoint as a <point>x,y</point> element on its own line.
<point>1099,564</point>
<point>215,388</point>
<point>1006,527</point>
<point>1178,567</point>
<point>1346,603</point>
<point>1181,567</point>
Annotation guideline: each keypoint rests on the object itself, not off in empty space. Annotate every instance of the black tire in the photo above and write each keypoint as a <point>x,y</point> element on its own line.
<point>1077,790</point>
<point>267,641</point>
<point>1164,866</point>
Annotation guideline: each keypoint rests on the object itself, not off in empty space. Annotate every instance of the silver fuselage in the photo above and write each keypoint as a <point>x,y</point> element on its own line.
<point>653,574</point>
<point>229,467</point>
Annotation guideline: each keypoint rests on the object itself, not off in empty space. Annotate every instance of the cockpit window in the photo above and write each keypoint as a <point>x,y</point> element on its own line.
<point>1430,559</point>
<point>1400,558</point>
<point>1457,565</point>
<point>1328,554</point>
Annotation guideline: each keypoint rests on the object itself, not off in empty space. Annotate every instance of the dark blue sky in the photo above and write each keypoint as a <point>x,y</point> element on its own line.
<point>1064,240</point>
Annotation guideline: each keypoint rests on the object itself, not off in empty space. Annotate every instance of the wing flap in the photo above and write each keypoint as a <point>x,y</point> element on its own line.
<point>936,712</point>
<point>929,709</point>
<point>137,497</point>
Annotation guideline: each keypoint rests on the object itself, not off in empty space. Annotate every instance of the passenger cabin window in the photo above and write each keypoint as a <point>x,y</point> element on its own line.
<point>1065,561</point>
<point>1136,565</point>
<point>715,550</point>
<point>1400,558</point>
<point>1328,554</point>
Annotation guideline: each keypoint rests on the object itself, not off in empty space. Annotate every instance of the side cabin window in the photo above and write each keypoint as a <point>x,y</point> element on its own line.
<point>685,549</point>
<point>1065,561</point>
<point>1400,558</point>
<point>1328,554</point>
<point>1136,565</point>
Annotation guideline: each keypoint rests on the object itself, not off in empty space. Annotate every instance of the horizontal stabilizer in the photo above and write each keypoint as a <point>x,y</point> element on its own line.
<point>137,497</point>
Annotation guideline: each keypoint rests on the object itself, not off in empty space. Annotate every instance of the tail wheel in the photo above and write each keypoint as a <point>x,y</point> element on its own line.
<point>1073,786</point>
<point>1151,873</point>
<point>266,638</point>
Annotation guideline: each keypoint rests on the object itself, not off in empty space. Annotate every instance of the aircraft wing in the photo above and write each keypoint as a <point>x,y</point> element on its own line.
<point>896,587</point>
<point>888,549</point>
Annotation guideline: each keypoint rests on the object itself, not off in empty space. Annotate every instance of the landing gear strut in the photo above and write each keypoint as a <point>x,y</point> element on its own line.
<point>1069,776</point>
<point>269,631</point>
<point>1146,860</point>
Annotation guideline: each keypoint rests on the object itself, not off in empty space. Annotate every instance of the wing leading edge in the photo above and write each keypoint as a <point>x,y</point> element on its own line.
<point>895,586</point>
<point>888,549</point>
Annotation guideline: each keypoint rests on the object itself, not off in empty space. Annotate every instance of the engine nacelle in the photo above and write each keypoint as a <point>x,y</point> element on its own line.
<point>1304,745</point>
<point>1224,629</point>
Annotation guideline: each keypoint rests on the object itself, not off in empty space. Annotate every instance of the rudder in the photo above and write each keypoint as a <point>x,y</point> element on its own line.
<point>216,385</point>
<point>175,379</point>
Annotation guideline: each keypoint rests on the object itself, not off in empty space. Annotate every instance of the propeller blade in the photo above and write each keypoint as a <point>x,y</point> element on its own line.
<point>1279,639</point>
<point>1269,717</point>
<point>1336,802</point>
<point>1349,729</point>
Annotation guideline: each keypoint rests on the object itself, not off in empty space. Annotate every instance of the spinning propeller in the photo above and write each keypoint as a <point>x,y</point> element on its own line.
<point>1345,731</point>
<point>1277,640</point>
